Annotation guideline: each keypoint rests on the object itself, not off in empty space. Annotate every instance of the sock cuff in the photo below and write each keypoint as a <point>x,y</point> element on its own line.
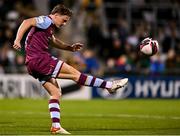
<point>53,101</point>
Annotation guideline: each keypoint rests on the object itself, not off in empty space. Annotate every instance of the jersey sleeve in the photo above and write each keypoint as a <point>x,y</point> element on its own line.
<point>43,22</point>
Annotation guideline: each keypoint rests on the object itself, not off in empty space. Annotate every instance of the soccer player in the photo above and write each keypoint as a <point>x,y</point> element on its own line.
<point>46,68</point>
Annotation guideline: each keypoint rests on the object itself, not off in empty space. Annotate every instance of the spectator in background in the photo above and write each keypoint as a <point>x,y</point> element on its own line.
<point>12,19</point>
<point>5,7</point>
<point>177,62</point>
<point>132,40</point>
<point>7,57</point>
<point>1,69</point>
<point>121,63</point>
<point>143,64</point>
<point>26,8</point>
<point>77,61</point>
<point>8,35</point>
<point>91,5</point>
<point>115,48</point>
<point>94,33</point>
<point>122,29</point>
<point>171,38</point>
<point>53,3</point>
<point>2,37</point>
<point>20,64</point>
<point>92,64</point>
<point>157,65</point>
<point>110,64</point>
<point>171,59</point>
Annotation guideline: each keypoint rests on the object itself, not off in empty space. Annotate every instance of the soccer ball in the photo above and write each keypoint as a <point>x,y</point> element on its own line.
<point>149,47</point>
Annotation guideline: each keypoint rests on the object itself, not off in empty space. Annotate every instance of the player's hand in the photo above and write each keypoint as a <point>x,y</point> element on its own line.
<point>17,45</point>
<point>76,46</point>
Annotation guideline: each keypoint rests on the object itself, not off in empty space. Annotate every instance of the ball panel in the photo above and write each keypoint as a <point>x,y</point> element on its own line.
<point>155,46</point>
<point>149,47</point>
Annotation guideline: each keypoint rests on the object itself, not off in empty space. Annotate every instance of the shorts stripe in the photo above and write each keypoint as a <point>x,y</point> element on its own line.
<point>57,68</point>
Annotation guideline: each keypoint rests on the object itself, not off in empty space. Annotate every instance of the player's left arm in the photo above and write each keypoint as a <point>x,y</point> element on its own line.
<point>64,46</point>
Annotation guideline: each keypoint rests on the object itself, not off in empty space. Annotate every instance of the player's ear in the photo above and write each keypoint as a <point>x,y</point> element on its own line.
<point>56,14</point>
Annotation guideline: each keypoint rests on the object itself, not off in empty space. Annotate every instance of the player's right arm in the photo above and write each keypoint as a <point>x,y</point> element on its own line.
<point>26,24</point>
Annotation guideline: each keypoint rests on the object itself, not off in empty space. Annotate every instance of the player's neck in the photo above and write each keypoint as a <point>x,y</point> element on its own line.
<point>52,17</point>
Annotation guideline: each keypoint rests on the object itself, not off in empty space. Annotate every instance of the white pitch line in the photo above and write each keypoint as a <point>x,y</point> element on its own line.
<point>100,115</point>
<point>125,116</point>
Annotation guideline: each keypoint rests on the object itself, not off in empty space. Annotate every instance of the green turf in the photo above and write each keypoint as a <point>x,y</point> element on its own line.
<point>105,117</point>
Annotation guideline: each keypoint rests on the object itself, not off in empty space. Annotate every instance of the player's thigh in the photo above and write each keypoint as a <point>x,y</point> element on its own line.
<point>53,88</point>
<point>68,72</point>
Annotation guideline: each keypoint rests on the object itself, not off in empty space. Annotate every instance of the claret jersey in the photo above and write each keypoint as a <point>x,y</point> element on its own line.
<point>37,41</point>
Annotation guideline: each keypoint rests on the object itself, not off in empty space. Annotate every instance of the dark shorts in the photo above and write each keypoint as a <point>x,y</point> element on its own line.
<point>44,67</point>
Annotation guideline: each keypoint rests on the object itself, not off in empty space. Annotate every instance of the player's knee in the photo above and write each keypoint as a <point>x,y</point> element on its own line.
<point>57,95</point>
<point>76,77</point>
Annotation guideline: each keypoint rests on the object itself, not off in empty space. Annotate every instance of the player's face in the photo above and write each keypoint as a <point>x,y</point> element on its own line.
<point>61,20</point>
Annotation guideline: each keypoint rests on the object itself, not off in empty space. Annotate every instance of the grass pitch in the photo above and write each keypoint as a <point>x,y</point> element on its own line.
<point>105,117</point>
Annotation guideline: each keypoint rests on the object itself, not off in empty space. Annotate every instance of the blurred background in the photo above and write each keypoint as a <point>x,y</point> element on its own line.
<point>111,31</point>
